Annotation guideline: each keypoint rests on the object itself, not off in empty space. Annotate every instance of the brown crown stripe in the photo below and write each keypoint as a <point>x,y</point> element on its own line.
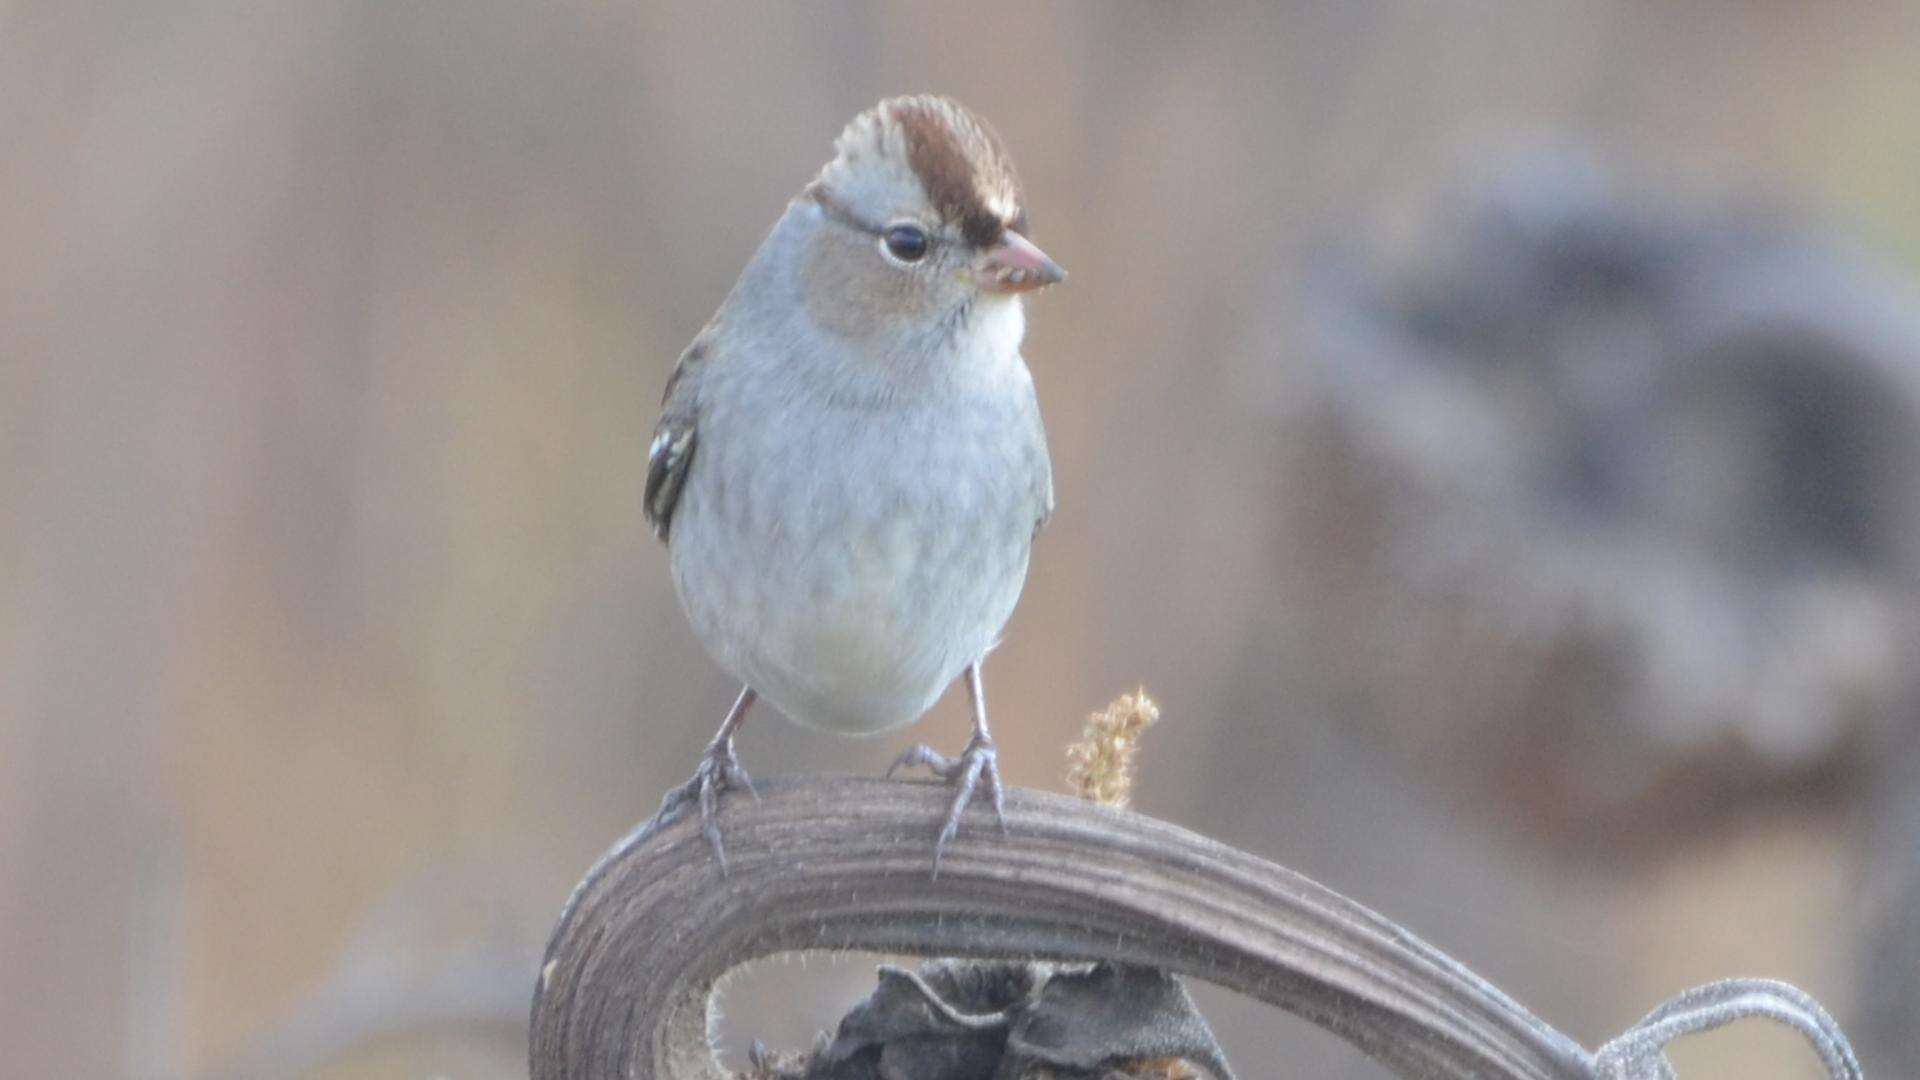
<point>938,155</point>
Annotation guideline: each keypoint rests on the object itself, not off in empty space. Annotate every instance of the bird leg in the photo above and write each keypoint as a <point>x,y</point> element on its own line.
<point>978,761</point>
<point>719,770</point>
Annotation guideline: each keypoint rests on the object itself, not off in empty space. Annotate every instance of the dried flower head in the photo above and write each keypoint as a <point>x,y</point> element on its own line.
<point>1102,766</point>
<point>1156,1069</point>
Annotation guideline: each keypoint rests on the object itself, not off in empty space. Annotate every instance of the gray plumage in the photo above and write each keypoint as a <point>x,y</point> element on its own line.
<point>849,514</point>
<point>849,468</point>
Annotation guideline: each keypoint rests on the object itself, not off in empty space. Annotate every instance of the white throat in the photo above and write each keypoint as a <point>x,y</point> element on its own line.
<point>981,356</point>
<point>993,343</point>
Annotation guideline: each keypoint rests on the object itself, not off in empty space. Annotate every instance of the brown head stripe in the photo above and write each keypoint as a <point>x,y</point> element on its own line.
<point>939,156</point>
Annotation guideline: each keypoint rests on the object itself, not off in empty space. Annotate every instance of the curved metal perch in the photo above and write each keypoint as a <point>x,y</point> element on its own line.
<point>842,863</point>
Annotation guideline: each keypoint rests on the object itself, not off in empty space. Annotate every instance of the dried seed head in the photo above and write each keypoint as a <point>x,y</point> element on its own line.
<point>1101,763</point>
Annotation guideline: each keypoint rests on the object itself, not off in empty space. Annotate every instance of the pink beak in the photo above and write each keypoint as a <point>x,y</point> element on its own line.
<point>1015,265</point>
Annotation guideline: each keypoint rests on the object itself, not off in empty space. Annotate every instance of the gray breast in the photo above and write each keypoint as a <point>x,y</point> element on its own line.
<point>848,563</point>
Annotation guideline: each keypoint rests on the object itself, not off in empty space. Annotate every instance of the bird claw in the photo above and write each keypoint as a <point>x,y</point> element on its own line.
<point>978,761</point>
<point>719,771</point>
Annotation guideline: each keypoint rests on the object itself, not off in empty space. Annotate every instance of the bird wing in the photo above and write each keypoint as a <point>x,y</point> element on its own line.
<point>670,454</point>
<point>1043,482</point>
<point>1046,502</point>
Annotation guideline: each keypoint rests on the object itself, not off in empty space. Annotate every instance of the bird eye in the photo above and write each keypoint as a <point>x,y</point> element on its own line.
<point>907,243</point>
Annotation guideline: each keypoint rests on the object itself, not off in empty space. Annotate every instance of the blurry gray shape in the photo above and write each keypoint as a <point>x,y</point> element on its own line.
<point>397,979</point>
<point>476,994</point>
<point>1888,1013</point>
<point>155,951</point>
<point>1646,475</point>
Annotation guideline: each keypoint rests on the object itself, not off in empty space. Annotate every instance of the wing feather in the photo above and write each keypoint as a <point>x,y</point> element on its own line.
<point>670,454</point>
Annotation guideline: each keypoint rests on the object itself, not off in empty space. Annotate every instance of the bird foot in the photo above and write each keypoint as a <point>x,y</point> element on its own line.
<point>979,761</point>
<point>719,771</point>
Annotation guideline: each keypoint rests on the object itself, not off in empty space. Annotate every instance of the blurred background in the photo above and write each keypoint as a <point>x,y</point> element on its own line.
<point>1490,431</point>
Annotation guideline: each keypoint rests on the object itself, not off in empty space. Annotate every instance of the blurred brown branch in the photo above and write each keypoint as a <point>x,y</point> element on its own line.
<point>842,863</point>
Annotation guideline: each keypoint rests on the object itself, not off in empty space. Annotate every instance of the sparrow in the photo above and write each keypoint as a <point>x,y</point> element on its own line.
<point>849,468</point>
